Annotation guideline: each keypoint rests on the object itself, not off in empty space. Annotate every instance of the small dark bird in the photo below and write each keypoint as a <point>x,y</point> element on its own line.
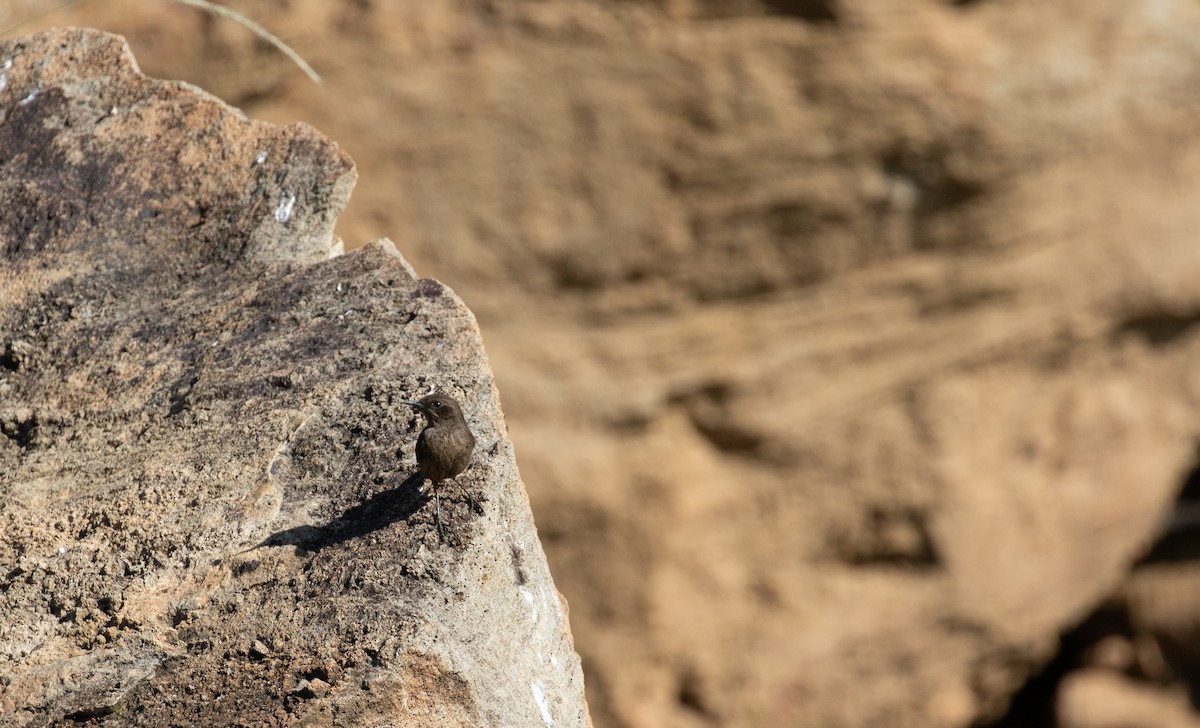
<point>444,447</point>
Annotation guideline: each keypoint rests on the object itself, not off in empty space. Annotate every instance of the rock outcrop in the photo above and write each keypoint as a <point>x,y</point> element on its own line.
<point>849,347</point>
<point>207,509</point>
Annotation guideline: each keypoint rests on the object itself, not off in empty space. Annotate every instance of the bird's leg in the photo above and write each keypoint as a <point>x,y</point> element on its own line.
<point>437,512</point>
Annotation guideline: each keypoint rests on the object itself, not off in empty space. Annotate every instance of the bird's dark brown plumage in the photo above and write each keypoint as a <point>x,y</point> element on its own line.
<point>444,447</point>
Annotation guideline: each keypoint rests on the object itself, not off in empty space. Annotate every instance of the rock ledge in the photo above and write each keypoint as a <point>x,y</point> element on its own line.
<point>206,509</point>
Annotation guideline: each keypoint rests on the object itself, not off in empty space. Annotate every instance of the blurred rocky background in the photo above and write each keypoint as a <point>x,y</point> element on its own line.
<point>849,347</point>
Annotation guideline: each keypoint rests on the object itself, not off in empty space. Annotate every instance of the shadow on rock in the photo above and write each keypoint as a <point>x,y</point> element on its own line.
<point>378,511</point>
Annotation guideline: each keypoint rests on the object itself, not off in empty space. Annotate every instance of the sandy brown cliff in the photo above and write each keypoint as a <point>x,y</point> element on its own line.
<point>206,509</point>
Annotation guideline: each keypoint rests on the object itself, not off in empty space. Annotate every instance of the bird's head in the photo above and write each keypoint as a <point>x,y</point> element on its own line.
<point>437,407</point>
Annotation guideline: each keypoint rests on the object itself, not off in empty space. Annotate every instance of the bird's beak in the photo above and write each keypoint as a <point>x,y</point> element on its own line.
<point>413,403</point>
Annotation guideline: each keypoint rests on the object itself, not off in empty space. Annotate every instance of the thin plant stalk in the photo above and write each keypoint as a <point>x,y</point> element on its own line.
<point>218,10</point>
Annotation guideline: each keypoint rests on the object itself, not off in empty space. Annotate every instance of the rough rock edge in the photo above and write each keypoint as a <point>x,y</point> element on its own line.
<point>505,540</point>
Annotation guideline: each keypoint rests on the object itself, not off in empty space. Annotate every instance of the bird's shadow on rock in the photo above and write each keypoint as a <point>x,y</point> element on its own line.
<point>378,511</point>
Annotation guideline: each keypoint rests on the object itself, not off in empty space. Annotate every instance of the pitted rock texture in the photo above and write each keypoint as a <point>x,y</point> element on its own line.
<point>208,514</point>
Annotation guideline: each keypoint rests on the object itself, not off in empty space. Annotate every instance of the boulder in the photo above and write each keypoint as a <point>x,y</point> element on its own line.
<point>209,509</point>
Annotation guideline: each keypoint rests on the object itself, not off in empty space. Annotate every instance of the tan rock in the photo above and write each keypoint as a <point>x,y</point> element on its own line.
<point>1100,699</point>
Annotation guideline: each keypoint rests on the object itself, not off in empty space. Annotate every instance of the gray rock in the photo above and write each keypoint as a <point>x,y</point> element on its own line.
<point>206,509</point>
